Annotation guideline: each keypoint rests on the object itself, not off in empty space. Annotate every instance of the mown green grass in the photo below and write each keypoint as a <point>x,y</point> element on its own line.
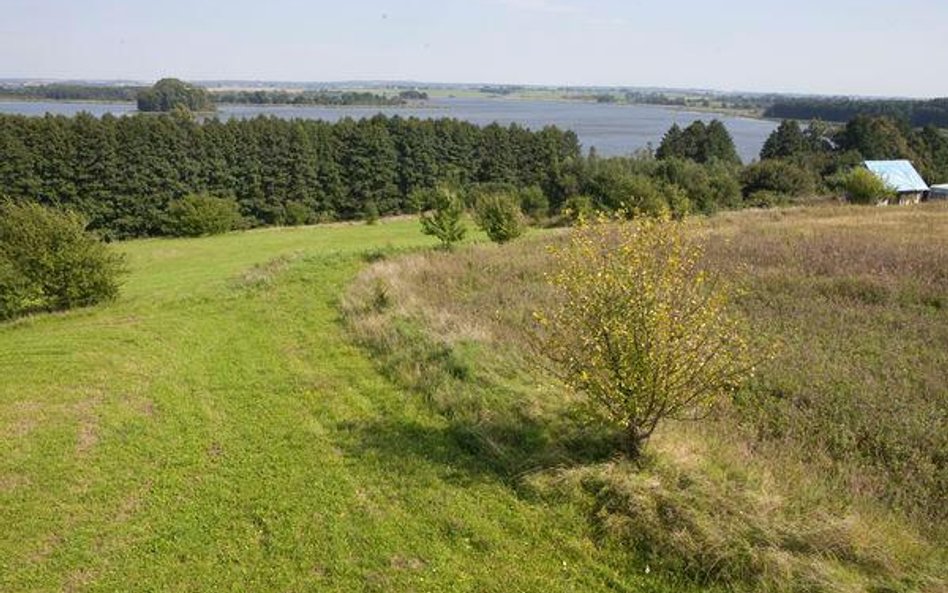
<point>215,430</point>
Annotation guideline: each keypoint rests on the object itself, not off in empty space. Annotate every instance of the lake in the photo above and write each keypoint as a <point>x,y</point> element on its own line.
<point>612,129</point>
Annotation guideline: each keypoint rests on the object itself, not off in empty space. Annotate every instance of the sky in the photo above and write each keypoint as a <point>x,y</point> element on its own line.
<point>845,47</point>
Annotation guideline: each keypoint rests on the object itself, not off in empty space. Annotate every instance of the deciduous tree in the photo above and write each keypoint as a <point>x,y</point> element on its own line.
<point>640,327</point>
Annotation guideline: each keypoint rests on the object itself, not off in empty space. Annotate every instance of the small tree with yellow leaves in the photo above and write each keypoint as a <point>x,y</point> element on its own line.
<point>639,327</point>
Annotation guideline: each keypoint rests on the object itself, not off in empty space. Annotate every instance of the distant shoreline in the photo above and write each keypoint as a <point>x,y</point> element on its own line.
<point>737,113</point>
<point>419,105</point>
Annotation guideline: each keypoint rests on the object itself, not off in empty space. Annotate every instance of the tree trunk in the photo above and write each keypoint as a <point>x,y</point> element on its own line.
<point>634,441</point>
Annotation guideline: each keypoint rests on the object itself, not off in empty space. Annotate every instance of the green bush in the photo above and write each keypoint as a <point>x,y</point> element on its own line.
<point>298,213</point>
<point>645,196</point>
<point>578,207</point>
<point>442,218</point>
<point>708,187</point>
<point>196,215</point>
<point>678,202</point>
<point>534,202</point>
<point>475,191</point>
<point>777,176</point>
<point>499,216</point>
<point>421,199</point>
<point>49,262</point>
<point>371,212</point>
<point>864,187</point>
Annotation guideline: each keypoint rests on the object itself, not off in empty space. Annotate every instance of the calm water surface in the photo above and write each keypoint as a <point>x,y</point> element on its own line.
<point>612,129</point>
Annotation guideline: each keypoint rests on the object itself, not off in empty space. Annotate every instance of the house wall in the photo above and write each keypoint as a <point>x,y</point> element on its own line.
<point>903,198</point>
<point>910,197</point>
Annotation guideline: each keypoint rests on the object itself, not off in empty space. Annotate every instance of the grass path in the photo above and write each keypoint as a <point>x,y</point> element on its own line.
<point>214,430</point>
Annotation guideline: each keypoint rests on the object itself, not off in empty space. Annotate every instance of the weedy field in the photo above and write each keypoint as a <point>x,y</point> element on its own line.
<point>828,472</point>
<point>339,408</point>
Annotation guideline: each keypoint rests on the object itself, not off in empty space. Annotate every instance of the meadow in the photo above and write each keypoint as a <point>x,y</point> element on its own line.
<point>341,408</point>
<point>825,473</point>
<point>214,430</point>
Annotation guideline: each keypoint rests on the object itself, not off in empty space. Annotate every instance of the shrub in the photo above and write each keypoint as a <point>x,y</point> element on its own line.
<point>864,187</point>
<point>499,216</point>
<point>422,199</point>
<point>443,218</point>
<point>196,215</point>
<point>678,202</point>
<point>578,207</point>
<point>475,191</point>
<point>297,213</point>
<point>371,212</point>
<point>776,176</point>
<point>534,202</point>
<point>639,327</point>
<point>708,187</point>
<point>49,262</point>
<point>645,196</point>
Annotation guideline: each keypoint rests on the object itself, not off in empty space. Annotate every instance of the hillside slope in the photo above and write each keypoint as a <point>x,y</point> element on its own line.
<point>215,430</point>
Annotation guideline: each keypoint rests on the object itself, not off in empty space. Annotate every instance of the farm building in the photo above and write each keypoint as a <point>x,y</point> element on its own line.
<point>938,192</point>
<point>902,177</point>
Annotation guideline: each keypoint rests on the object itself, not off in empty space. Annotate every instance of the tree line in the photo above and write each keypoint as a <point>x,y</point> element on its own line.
<point>918,113</point>
<point>331,98</point>
<point>71,92</point>
<point>128,175</point>
<point>824,152</point>
<point>122,173</point>
<point>169,93</point>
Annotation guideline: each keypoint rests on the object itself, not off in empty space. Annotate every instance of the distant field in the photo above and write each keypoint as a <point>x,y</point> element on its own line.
<point>270,411</point>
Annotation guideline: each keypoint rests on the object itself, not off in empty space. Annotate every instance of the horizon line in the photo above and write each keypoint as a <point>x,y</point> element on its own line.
<point>466,85</point>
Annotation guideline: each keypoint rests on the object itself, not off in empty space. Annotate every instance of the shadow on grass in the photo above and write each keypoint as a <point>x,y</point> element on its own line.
<point>504,449</point>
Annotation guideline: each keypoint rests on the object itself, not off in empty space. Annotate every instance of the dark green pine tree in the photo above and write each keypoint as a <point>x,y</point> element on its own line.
<point>457,145</point>
<point>332,194</point>
<point>787,140</point>
<point>303,191</point>
<point>140,194</point>
<point>694,142</point>
<point>720,145</point>
<point>418,166</point>
<point>220,158</point>
<point>276,169</point>
<point>96,168</point>
<point>370,163</point>
<point>54,160</point>
<point>189,148</point>
<point>248,168</point>
<point>18,175</point>
<point>497,161</point>
<point>672,144</point>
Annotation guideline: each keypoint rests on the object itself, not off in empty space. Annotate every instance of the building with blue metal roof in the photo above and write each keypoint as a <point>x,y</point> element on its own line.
<point>902,177</point>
